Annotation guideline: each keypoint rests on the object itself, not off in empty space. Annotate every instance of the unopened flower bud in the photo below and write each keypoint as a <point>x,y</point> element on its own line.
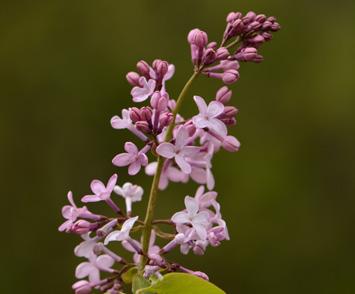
<point>198,38</point>
<point>231,144</point>
<point>209,56</point>
<point>237,27</point>
<point>248,54</point>
<point>165,119</point>
<point>230,76</point>
<point>143,68</point>
<point>249,17</point>
<point>258,39</point>
<point>275,27</point>
<point>230,111</point>
<point>253,26</point>
<point>146,114</point>
<point>135,114</point>
<point>222,53</point>
<point>81,227</point>
<point>133,78</point>
<point>223,95</point>
<point>143,126</point>
<point>232,16</point>
<point>212,45</point>
<point>159,102</point>
<point>82,287</point>
<point>260,18</point>
<point>160,67</point>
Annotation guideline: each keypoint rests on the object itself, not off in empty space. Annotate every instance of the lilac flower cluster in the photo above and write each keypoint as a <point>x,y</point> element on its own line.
<point>183,149</point>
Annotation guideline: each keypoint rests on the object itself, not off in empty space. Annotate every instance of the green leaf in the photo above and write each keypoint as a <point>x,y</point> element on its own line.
<point>127,276</point>
<point>179,283</point>
<point>139,282</point>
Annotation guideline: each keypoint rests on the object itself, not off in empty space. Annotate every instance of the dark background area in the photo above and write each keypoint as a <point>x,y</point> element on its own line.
<point>288,195</point>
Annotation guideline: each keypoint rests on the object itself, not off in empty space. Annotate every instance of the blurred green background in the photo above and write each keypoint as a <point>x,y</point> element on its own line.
<point>288,195</point>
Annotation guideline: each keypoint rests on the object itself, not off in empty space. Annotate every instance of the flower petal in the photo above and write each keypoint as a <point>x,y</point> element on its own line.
<point>97,187</point>
<point>214,109</point>
<point>111,183</point>
<point>134,168</point>
<point>90,198</point>
<point>128,224</point>
<point>191,205</point>
<point>105,262</point>
<point>131,148</point>
<point>180,218</point>
<point>119,123</point>
<point>113,236</point>
<point>123,159</point>
<point>183,164</point>
<point>182,137</point>
<point>151,168</point>
<point>84,269</point>
<point>200,231</point>
<point>200,122</point>
<point>166,150</point>
<point>201,104</point>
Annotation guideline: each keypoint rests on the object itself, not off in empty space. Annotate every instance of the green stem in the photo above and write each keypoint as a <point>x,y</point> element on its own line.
<point>236,41</point>
<point>148,222</point>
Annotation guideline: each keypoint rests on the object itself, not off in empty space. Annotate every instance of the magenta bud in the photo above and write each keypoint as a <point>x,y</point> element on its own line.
<point>133,78</point>
<point>160,67</point>
<point>249,54</point>
<point>198,38</point>
<point>223,95</point>
<point>232,16</point>
<point>275,27</point>
<point>255,25</point>
<point>271,19</point>
<point>237,26</point>
<point>190,127</point>
<point>143,126</point>
<point>81,227</point>
<point>260,18</point>
<point>165,119</point>
<point>222,53</point>
<point>146,113</point>
<point>258,39</point>
<point>250,16</point>
<point>212,45</point>
<point>231,144</point>
<point>135,114</point>
<point>159,102</point>
<point>82,287</point>
<point>230,76</point>
<point>267,25</point>
<point>209,56</point>
<point>143,68</point>
<point>230,111</point>
<point>267,36</point>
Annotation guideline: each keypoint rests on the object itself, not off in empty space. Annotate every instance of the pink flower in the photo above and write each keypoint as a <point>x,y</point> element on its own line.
<point>203,199</point>
<point>101,192</point>
<point>71,213</point>
<point>121,123</point>
<point>92,267</point>
<point>133,158</point>
<point>131,193</point>
<point>123,234</point>
<point>207,118</point>
<point>142,93</point>
<point>179,151</point>
<point>198,220</point>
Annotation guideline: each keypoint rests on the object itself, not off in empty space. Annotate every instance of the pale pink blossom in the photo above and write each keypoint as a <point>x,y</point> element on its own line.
<point>145,90</point>
<point>192,216</point>
<point>93,266</point>
<point>207,118</point>
<point>123,234</point>
<point>133,158</point>
<point>179,151</point>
